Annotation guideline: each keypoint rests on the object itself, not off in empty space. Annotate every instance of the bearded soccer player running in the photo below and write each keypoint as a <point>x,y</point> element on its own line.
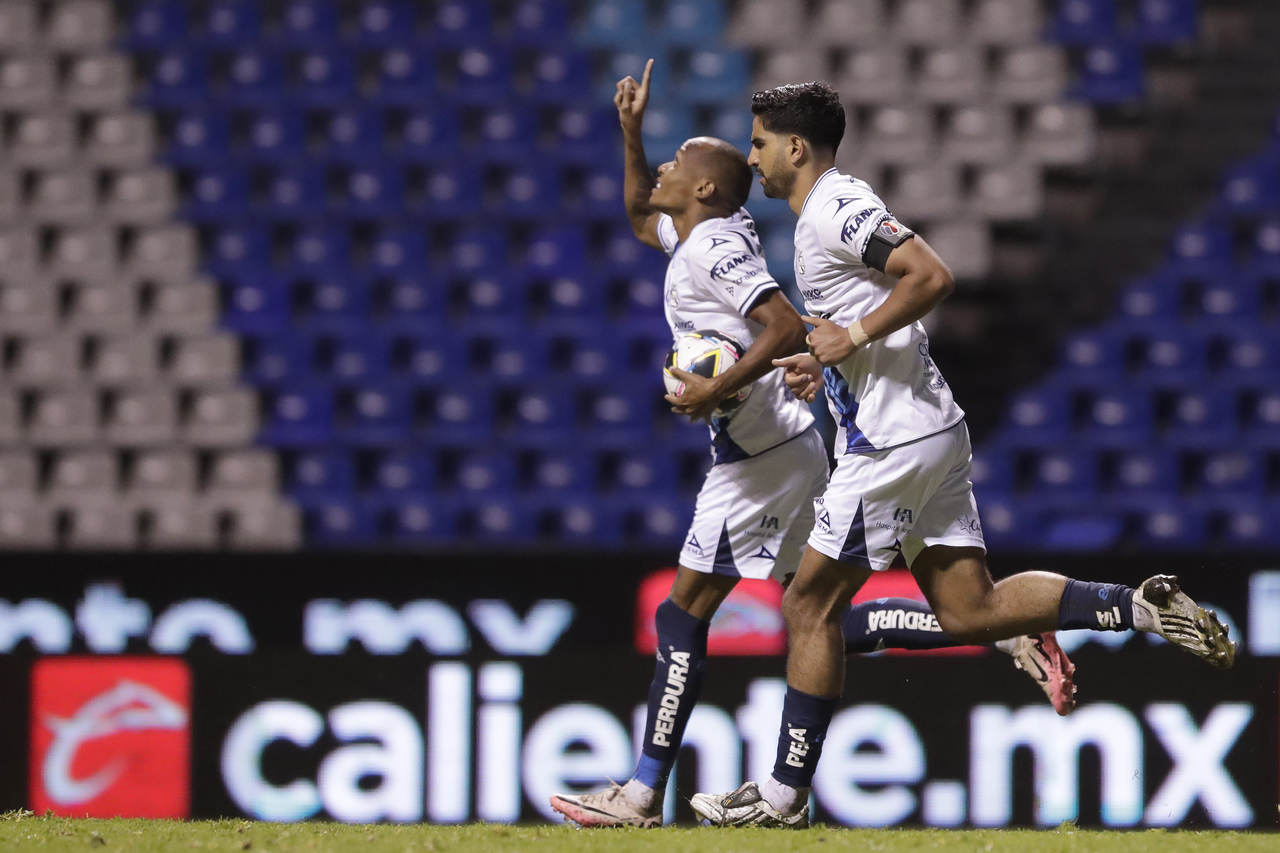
<point>769,461</point>
<point>902,445</point>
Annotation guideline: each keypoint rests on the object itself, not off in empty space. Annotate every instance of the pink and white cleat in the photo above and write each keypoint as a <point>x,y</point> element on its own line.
<point>609,807</point>
<point>1044,660</point>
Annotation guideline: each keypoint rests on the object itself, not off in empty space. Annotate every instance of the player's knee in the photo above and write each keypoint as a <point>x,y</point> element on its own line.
<point>963,627</point>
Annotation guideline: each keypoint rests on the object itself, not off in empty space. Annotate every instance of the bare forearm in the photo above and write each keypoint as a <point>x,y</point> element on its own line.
<point>778,340</point>
<point>914,296</point>
<point>637,181</point>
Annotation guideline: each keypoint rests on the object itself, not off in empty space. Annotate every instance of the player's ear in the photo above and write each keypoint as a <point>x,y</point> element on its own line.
<point>798,149</point>
<point>705,189</point>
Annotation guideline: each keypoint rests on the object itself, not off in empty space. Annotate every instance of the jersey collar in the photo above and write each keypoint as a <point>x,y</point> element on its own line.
<point>814,188</point>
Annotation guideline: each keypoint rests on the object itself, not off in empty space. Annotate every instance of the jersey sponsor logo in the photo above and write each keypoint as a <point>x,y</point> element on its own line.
<point>677,675</point>
<point>684,326</point>
<point>811,293</point>
<point>854,222</point>
<point>724,266</point>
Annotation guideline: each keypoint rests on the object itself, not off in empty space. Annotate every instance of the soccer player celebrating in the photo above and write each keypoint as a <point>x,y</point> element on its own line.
<point>756,507</point>
<point>901,483</point>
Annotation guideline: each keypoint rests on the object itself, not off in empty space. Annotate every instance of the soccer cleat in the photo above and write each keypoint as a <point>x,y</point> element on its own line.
<point>609,807</point>
<point>1174,616</point>
<point>745,807</point>
<point>1040,657</point>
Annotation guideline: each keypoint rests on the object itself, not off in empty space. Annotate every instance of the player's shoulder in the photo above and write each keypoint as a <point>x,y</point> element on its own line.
<point>727,235</point>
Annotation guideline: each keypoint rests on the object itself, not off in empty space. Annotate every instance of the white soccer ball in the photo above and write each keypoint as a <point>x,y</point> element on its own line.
<point>708,353</point>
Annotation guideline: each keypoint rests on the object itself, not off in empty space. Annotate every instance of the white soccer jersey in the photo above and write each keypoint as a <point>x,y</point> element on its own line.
<point>713,281</point>
<point>889,391</point>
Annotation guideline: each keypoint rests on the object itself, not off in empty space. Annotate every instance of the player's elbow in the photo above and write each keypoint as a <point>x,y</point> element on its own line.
<point>941,282</point>
<point>792,337</point>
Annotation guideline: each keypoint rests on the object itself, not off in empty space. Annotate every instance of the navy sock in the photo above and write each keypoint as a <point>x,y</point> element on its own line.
<point>891,623</point>
<point>677,678</point>
<point>804,727</point>
<point>1099,606</point>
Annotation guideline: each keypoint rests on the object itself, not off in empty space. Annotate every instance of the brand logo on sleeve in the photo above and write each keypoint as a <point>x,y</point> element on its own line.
<point>854,222</point>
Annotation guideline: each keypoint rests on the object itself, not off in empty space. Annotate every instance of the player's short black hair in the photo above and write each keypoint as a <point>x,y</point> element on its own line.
<point>809,110</point>
<point>734,175</point>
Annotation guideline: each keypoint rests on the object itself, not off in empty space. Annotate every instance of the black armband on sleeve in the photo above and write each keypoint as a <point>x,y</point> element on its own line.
<point>889,235</point>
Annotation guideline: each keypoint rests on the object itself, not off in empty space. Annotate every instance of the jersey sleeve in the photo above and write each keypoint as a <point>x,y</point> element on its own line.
<point>667,234</point>
<point>862,230</point>
<point>733,268</point>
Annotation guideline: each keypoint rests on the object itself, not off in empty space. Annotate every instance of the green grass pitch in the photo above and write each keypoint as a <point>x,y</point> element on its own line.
<point>25,831</point>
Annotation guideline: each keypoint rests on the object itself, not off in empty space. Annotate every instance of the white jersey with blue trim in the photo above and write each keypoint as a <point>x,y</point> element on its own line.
<point>889,392</point>
<point>714,279</point>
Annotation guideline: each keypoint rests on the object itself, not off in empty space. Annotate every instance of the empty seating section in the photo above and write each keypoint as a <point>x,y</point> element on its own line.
<point>1164,417</point>
<point>122,419</point>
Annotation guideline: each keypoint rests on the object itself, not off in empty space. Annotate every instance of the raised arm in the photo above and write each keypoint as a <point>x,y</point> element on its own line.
<point>631,100</point>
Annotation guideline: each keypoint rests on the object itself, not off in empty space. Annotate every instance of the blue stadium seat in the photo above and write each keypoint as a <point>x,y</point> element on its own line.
<point>630,61</point>
<point>693,23</point>
<point>236,249</point>
<point>1256,529</point>
<point>255,78</point>
<point>378,414</point>
<point>1154,302</point>
<point>372,190</point>
<point>430,135</point>
<point>1142,476</point>
<point>406,77</point>
<point>1077,532</point>
<point>1173,528</point>
<point>597,360</point>
<point>157,24</point>
<point>216,193</point>
<point>461,23</point>
<point>398,250</point>
<point>453,192</point>
<point>295,192</point>
<point>482,76</point>
<point>1250,187</point>
<point>354,134</point>
<point>515,360</point>
<point>1165,21</point>
<point>494,296</point>
<point>1040,417</point>
<point>575,298</point>
<point>199,137</point>
<point>300,416</point>
<point>528,192</point>
<point>560,76</point>
<point>1229,303</point>
<point>337,303</point>
<point>563,473</point>
<point>1250,358</point>
<point>645,472</point>
<point>614,23</point>
<point>308,23</point>
<point>507,134</point>
<point>734,125</point>
<point>386,22</point>
<point>403,473</point>
<point>1174,358</point>
<point>407,300</point>
<point>1093,358</point>
<point>1235,472</point>
<point>478,250</point>
<point>321,475</point>
<point>1202,417</point>
<point>278,360</point>
<point>494,519</point>
<point>586,135</point>
<point>642,295</point>
<point>1009,523</point>
<point>543,417</point>
<point>1110,73</point>
<point>1064,478</point>
<point>602,192</point>
<point>276,136</point>
<point>1264,255</point>
<point>461,418</point>
<point>1122,417</point>
<point>428,355</point>
<point>485,472</point>
<point>1084,21</point>
<point>715,76</point>
<point>232,22</point>
<point>178,79</point>
<point>356,358</point>
<point>556,250</point>
<point>324,78</point>
<point>256,305</point>
<point>1198,248</point>
<point>539,22</point>
<point>320,249</point>
<point>993,471</point>
<point>337,523</point>
<point>586,521</point>
<point>659,522</point>
<point>419,519</point>
<point>619,419</point>
<point>1262,423</point>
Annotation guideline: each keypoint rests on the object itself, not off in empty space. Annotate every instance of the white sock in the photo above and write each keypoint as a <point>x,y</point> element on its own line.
<point>642,796</point>
<point>784,798</point>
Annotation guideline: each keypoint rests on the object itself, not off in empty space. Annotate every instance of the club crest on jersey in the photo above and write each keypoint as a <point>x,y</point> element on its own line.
<point>890,228</point>
<point>854,222</point>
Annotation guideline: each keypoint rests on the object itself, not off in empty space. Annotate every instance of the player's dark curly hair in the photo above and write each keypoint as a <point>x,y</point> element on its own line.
<point>808,110</point>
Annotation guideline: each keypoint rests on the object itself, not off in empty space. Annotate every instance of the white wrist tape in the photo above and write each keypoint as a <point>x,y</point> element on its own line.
<point>856,334</point>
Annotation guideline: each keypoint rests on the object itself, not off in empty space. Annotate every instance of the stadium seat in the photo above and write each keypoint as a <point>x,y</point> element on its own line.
<point>157,24</point>
<point>459,23</point>
<point>256,305</point>
<point>563,473</point>
<point>665,130</point>
<point>377,414</point>
<point>1173,358</point>
<point>275,136</point>
<point>639,472</point>
<point>529,193</point>
<point>1249,359</point>
<point>1033,74</point>
<point>300,416</point>
<point>458,419</point>
<point>335,303</point>
<point>317,249</point>
<point>385,22</point>
<point>539,23</point>
<point>1150,304</point>
<point>295,192</point>
<point>308,23</point>
<point>1141,477</point>
<point>1229,303</point>
<point>417,519</point>
<point>1038,418</point>
<point>507,134</point>
<point>255,77</point>
<point>692,23</point>
<point>1009,523</point>
<point>1233,472</point>
<point>1063,479</point>
<point>839,23</point>
<point>217,193</point>
<point>1204,417</point>
<point>953,75</point>
<point>1092,358</point>
<point>482,76</point>
<point>586,522</point>
<point>340,523</point>
<point>544,417</point>
<point>585,135</point>
<point>1264,256</point>
<point>981,135</point>
<point>613,23</point>
<point>453,192</point>
<point>1200,248</point>
<point>993,471</point>
<point>1250,188</point>
<point>405,77</point>
<point>405,300</point>
<point>1111,73</point>
<point>1084,22</point>
<point>498,519</point>
<point>372,190</point>
<point>617,419</point>
<point>402,473</point>
<point>1173,528</point>
<point>714,76</point>
<point>1252,529</point>
<point>279,360</point>
<point>1081,532</point>
<point>199,136</point>
<point>355,358</point>
<point>355,134</point>
<point>1165,21</point>
<point>323,78</point>
<point>1122,417</point>
<point>1262,422</point>
<point>875,74</point>
<point>658,522</point>
<point>426,356</point>
<point>483,472</point>
<point>560,76</point>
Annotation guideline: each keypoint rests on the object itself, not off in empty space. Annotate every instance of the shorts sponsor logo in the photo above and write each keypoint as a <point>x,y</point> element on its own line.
<point>693,546</point>
<point>111,737</point>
